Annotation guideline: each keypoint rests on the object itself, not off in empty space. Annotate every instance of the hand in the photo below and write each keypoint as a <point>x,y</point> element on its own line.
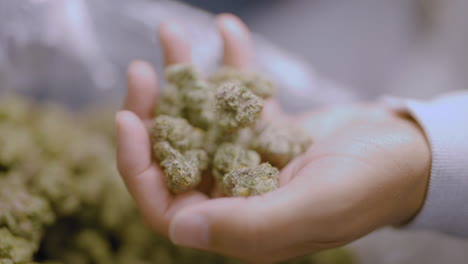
<point>368,168</point>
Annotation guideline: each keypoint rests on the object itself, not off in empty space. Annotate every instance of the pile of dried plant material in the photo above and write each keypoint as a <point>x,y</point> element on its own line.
<point>212,126</point>
<point>62,200</point>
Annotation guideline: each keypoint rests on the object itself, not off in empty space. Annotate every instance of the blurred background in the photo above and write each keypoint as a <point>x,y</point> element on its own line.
<point>415,48</point>
<point>320,52</point>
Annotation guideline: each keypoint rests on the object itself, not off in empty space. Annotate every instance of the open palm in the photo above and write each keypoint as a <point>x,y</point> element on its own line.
<point>368,168</point>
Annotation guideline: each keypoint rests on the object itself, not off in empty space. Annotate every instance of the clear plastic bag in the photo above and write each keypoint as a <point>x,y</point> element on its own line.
<point>76,51</point>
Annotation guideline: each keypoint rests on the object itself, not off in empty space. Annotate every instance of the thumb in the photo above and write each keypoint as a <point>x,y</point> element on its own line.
<point>258,228</point>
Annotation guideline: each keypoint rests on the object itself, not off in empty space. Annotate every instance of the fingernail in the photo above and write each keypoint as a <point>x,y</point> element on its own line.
<point>122,115</point>
<point>175,28</point>
<point>118,116</point>
<point>142,68</point>
<point>190,230</point>
<point>124,119</point>
<point>232,26</point>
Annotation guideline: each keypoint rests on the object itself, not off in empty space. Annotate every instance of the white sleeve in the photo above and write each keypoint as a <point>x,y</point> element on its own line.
<point>445,122</point>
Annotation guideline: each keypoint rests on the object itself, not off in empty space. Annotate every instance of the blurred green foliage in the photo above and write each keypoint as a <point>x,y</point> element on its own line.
<point>62,200</point>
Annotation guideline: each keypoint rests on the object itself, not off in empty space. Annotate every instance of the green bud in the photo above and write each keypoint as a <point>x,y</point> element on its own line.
<point>170,102</point>
<point>230,156</point>
<point>237,106</point>
<point>200,104</point>
<point>257,83</point>
<point>15,248</point>
<point>177,132</point>
<point>183,172</point>
<point>181,75</point>
<point>210,124</point>
<point>279,143</point>
<point>251,181</point>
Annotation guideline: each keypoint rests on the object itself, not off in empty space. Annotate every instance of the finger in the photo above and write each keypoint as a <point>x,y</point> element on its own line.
<point>144,179</point>
<point>244,228</point>
<point>175,45</point>
<point>133,144</point>
<point>156,204</point>
<point>237,41</point>
<point>142,89</point>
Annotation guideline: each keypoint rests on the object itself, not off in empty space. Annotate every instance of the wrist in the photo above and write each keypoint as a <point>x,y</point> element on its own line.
<point>416,159</point>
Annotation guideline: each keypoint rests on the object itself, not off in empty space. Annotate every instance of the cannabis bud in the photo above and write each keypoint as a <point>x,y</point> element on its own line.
<point>237,106</point>
<point>279,142</point>
<point>246,181</point>
<point>177,147</point>
<point>212,126</point>
<point>231,156</point>
<point>258,84</point>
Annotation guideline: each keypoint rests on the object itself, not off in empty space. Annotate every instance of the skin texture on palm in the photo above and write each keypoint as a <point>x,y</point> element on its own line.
<point>368,168</point>
<point>237,106</point>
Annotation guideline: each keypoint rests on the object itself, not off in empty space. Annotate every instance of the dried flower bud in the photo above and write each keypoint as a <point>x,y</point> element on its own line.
<point>211,123</point>
<point>15,248</point>
<point>181,174</point>
<point>177,145</point>
<point>182,171</point>
<point>230,156</point>
<point>200,104</point>
<point>237,106</point>
<point>170,102</point>
<point>251,181</point>
<point>187,96</point>
<point>181,75</point>
<point>279,143</point>
<point>177,132</point>
<point>198,158</point>
<point>25,213</point>
<point>162,150</point>
<point>13,109</point>
<point>255,82</point>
